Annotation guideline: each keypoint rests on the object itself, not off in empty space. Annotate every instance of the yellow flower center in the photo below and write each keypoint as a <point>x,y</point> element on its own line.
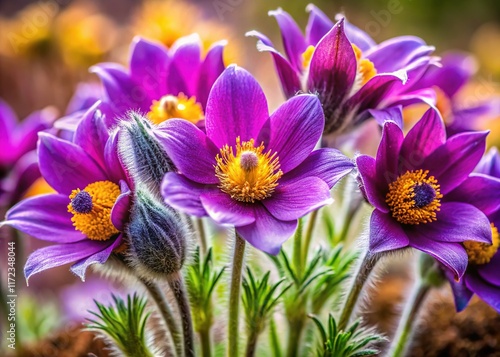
<point>170,106</point>
<point>91,209</point>
<point>414,198</point>
<point>366,68</point>
<point>481,253</point>
<point>248,175</point>
<point>307,55</point>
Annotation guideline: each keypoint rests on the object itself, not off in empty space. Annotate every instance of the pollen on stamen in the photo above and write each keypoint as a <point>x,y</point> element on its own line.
<point>171,106</point>
<point>481,253</point>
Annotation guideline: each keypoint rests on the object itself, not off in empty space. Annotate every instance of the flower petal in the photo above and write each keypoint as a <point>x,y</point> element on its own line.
<point>185,65</point>
<point>295,129</point>
<point>236,107</point>
<point>371,186</point>
<point>66,166</point>
<point>114,167</point>
<point>453,161</point>
<point>224,210</point>
<point>267,233</point>
<point>489,293</point>
<point>190,149</point>
<point>44,217</point>
<point>388,152</point>
<point>489,272</point>
<point>394,114</point>
<point>294,200</point>
<point>386,234</point>
<point>121,208</point>
<point>318,25</point>
<point>357,36</point>
<point>490,163</point>
<point>461,293</point>
<point>210,70</point>
<point>183,194</point>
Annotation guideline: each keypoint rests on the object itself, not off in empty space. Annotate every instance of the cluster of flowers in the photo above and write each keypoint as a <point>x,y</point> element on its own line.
<point>178,132</point>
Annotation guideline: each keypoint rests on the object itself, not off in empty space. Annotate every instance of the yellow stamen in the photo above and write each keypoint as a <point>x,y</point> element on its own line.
<point>248,175</point>
<point>481,253</point>
<point>170,106</point>
<point>307,55</point>
<point>366,68</point>
<point>414,198</point>
<point>96,223</point>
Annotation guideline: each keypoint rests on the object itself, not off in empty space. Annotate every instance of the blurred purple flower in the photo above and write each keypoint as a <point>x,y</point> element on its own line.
<point>250,170</point>
<point>410,184</point>
<point>87,214</point>
<point>18,164</point>
<point>346,68</point>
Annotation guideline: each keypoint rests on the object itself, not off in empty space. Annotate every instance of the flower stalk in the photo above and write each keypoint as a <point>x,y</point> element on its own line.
<point>234,295</point>
<point>176,284</point>
<point>308,235</point>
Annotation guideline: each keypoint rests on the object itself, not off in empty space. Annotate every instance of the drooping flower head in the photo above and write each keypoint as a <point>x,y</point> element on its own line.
<point>164,83</point>
<point>86,217</point>
<point>346,68</point>
<point>482,189</point>
<point>250,170</point>
<point>18,164</point>
<point>409,183</point>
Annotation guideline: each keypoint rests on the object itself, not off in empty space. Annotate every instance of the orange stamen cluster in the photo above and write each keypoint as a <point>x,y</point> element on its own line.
<point>170,106</point>
<point>481,253</point>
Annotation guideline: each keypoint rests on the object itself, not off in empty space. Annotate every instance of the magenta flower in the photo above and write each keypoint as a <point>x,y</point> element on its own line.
<point>88,213</point>
<point>409,184</point>
<point>250,170</point>
<point>482,276</point>
<point>350,73</point>
<point>164,83</point>
<point>18,164</point>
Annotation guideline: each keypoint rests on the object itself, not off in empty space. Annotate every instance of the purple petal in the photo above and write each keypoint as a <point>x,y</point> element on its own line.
<point>293,40</point>
<point>8,121</point>
<point>333,67</point>
<point>225,210</point>
<point>267,233</point>
<point>44,217</point>
<point>453,161</point>
<point>388,152</point>
<point>294,200</point>
<point>318,25</point>
<point>210,70</point>
<point>66,166</point>
<point>190,149</point>
<point>479,190</point>
<point>121,208</point>
<point>425,137</point>
<point>330,165</point>
<point>295,129</point>
<point>386,234</point>
<point>357,36</point>
<point>289,77</point>
<point>489,272</point>
<point>456,222</point>
<point>184,194</point>
<point>24,174</point>
<point>394,114</point>
<point>236,107</point>
<point>374,190</point>
<point>85,96</point>
<point>452,255</point>
<point>489,293</point>
<point>60,254</point>
<point>490,163</point>
<point>113,165</point>
<point>148,66</point>
<point>185,65</point>
<point>100,257</point>
<point>461,293</point>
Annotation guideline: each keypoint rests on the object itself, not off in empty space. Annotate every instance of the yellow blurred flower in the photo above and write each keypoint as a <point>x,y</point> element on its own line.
<point>39,187</point>
<point>485,46</point>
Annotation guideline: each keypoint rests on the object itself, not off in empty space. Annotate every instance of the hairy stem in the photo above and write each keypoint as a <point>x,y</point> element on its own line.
<point>252,343</point>
<point>400,340</point>
<point>177,286</point>
<point>364,270</point>
<point>206,343</point>
<point>234,295</point>
<point>297,247</point>
<point>308,236</point>
<point>294,336</point>
<point>201,235</point>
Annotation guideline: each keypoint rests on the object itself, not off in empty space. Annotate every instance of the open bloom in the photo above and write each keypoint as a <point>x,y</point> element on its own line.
<point>346,68</point>
<point>482,277</point>
<point>250,170</point>
<point>86,216</point>
<point>409,184</point>
<point>18,164</point>
<point>164,83</point>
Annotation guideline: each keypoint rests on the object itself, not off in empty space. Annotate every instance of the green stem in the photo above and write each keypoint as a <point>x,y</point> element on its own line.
<point>309,232</point>
<point>201,235</point>
<point>252,343</point>
<point>345,228</point>
<point>234,295</point>
<point>275,342</point>
<point>297,247</point>
<point>166,312</point>
<point>364,270</point>
<point>408,318</point>
<point>294,336</point>
<point>177,286</point>
<point>206,343</point>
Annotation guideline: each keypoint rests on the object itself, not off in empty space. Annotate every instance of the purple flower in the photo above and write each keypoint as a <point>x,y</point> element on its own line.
<point>448,80</point>
<point>483,272</point>
<point>346,68</point>
<point>18,166</point>
<point>250,170</point>
<point>88,213</point>
<point>410,183</point>
<point>164,83</point>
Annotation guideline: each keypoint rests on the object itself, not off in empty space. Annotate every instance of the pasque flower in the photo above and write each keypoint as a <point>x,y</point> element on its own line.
<point>250,170</point>
<point>482,189</point>
<point>409,183</point>
<point>18,164</point>
<point>86,216</point>
<point>164,83</point>
<point>346,68</point>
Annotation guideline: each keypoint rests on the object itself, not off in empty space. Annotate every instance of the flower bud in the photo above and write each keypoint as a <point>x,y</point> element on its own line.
<point>157,235</point>
<point>141,152</point>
